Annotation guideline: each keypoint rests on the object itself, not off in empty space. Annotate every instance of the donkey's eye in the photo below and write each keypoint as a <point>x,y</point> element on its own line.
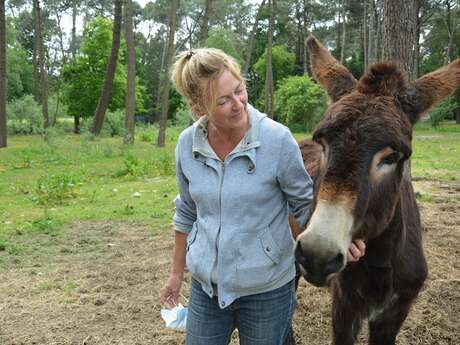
<point>390,159</point>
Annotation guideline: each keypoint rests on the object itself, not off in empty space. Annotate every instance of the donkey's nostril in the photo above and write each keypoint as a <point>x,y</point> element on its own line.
<point>334,265</point>
<point>301,257</point>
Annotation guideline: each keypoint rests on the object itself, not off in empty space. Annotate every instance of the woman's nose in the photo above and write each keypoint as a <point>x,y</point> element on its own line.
<point>237,102</point>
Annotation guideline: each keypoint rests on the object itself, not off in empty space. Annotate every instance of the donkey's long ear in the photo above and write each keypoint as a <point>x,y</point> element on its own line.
<point>327,71</point>
<point>429,90</point>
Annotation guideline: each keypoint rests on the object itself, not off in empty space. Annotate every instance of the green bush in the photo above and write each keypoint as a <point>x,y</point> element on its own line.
<point>183,117</point>
<point>163,163</point>
<point>283,64</point>
<point>24,116</point>
<point>299,103</point>
<point>443,111</point>
<point>114,123</point>
<point>55,189</point>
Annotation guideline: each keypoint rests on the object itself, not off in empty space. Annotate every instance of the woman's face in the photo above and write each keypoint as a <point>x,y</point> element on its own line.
<point>230,112</point>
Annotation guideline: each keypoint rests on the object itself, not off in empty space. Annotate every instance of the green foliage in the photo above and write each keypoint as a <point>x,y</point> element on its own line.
<point>145,134</point>
<point>163,162</point>
<point>299,103</point>
<point>114,123</point>
<point>24,116</point>
<point>55,189</point>
<point>283,64</point>
<point>45,224</point>
<point>175,102</point>
<point>443,111</point>
<point>19,69</point>
<point>183,116</point>
<point>85,76</point>
<point>131,168</point>
<point>355,65</point>
<point>224,39</point>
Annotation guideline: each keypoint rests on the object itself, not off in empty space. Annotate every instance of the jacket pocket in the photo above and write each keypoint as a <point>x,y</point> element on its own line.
<point>198,257</point>
<point>192,235</point>
<point>257,265</point>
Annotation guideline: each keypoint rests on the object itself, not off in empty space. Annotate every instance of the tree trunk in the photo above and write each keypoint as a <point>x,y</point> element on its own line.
<point>161,76</point>
<point>3,131</point>
<point>373,33</point>
<point>64,62</point>
<point>73,51</point>
<point>110,74</point>
<point>73,43</point>
<point>451,25</point>
<point>269,103</point>
<point>365,33</point>
<point>379,30</point>
<point>299,35</point>
<point>35,63</point>
<point>40,51</point>
<point>169,56</point>
<point>251,39</point>
<point>306,57</point>
<point>399,21</point>
<point>205,23</point>
<point>417,40</point>
<point>344,32</point>
<point>339,35</point>
<point>131,82</point>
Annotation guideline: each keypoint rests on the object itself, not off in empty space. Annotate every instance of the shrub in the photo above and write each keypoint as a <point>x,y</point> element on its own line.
<point>24,116</point>
<point>183,117</point>
<point>299,103</point>
<point>163,163</point>
<point>443,111</point>
<point>114,123</point>
<point>55,189</point>
<point>283,64</point>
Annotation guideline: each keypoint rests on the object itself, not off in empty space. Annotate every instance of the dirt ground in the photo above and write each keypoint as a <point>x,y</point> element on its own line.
<point>100,286</point>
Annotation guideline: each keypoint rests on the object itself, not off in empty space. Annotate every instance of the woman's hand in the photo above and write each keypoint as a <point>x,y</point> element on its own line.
<point>356,250</point>
<point>169,293</point>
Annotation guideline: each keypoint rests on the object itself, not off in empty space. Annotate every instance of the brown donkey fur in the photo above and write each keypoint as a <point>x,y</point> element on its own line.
<point>358,158</point>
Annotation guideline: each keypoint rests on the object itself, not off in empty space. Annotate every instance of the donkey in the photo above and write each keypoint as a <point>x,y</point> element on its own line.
<point>359,160</point>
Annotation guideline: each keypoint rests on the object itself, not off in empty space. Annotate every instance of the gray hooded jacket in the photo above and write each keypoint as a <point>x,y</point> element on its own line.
<point>235,211</point>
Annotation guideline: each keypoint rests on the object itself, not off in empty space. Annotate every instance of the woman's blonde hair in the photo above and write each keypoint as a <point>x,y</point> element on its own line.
<point>194,74</point>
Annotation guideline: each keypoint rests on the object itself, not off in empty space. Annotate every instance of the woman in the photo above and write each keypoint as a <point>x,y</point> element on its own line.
<point>239,174</point>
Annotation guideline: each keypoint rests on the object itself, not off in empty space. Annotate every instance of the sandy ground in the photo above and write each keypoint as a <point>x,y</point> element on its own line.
<point>98,284</point>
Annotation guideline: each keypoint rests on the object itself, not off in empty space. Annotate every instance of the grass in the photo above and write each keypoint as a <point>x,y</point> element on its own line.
<point>436,152</point>
<point>44,186</point>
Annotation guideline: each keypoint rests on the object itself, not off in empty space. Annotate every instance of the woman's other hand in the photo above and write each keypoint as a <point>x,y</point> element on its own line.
<point>169,293</point>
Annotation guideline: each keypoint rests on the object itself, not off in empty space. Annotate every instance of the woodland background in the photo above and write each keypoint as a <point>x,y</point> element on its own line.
<point>85,65</point>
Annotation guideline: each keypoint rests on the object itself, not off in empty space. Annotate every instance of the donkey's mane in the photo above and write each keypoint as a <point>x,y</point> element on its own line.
<point>383,79</point>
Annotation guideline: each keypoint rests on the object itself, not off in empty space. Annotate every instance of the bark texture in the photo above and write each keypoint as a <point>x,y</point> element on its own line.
<point>205,23</point>
<point>399,33</point>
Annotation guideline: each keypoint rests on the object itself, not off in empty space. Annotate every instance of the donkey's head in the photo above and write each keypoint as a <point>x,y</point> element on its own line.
<point>365,136</point>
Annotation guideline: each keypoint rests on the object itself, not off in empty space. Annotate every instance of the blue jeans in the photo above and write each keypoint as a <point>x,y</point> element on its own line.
<point>261,319</point>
